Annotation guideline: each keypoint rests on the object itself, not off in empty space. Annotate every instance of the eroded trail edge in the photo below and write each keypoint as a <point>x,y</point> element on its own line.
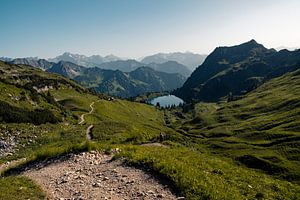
<point>96,176</point>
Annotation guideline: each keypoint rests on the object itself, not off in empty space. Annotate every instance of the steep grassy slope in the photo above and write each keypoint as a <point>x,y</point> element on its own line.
<point>261,130</point>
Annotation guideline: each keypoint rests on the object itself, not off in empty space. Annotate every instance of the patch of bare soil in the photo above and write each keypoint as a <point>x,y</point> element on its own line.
<point>96,176</point>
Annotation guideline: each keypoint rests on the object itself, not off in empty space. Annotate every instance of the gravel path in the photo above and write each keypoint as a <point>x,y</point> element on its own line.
<point>82,116</point>
<point>96,176</point>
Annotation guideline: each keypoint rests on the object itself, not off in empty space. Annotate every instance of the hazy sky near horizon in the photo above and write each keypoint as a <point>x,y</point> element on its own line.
<point>135,28</point>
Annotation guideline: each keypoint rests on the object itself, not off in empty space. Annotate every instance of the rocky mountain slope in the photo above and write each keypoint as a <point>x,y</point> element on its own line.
<point>236,70</point>
<point>87,61</point>
<point>38,63</point>
<point>67,69</point>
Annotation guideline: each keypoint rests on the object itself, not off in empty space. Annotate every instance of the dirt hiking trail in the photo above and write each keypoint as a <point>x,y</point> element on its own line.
<point>95,175</point>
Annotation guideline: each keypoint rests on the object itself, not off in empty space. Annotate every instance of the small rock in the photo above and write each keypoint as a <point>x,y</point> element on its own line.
<point>160,196</point>
<point>140,194</point>
<point>150,192</point>
<point>96,185</point>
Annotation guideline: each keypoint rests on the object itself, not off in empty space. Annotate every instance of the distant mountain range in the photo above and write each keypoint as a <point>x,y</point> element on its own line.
<point>115,82</point>
<point>87,61</point>
<point>169,63</point>
<point>6,59</point>
<point>134,79</point>
<point>131,65</point>
<point>171,66</point>
<point>39,63</point>
<point>236,70</point>
<point>122,65</point>
<point>123,78</point>
<point>183,63</point>
<point>191,60</point>
<point>288,48</point>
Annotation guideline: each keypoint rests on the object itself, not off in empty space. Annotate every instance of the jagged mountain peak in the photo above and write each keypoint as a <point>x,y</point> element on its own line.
<point>87,61</point>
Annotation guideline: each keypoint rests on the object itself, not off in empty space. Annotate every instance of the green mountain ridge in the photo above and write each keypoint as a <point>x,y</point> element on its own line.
<point>236,70</point>
<point>122,84</point>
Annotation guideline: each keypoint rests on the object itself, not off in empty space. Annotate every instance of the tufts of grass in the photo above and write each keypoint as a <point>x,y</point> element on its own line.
<point>18,187</point>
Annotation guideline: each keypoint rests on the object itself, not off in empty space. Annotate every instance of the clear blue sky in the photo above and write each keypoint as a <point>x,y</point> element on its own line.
<point>134,28</point>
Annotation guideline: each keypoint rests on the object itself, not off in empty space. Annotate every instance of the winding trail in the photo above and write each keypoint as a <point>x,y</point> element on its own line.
<point>89,134</point>
<point>82,120</point>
